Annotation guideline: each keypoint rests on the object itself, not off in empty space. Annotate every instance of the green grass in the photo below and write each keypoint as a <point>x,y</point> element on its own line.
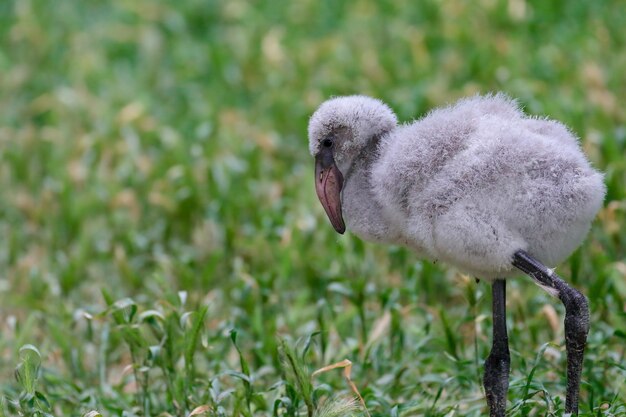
<point>161,244</point>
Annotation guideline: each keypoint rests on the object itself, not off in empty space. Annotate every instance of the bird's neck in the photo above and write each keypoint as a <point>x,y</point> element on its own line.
<point>363,214</point>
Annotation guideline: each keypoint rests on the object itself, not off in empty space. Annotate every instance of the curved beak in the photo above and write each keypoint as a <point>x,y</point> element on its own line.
<point>328,185</point>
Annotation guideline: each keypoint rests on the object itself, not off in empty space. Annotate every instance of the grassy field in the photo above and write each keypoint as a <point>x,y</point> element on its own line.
<point>162,251</point>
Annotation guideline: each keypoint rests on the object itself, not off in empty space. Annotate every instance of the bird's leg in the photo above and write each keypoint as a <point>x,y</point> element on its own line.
<point>497,365</point>
<point>576,320</point>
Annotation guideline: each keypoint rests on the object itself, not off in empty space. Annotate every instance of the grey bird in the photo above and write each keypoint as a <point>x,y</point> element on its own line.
<point>478,185</point>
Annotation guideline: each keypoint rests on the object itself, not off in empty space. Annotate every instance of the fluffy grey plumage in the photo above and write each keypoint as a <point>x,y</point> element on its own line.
<point>468,184</point>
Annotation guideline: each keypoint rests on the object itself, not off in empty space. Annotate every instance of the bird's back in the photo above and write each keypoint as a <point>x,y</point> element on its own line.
<point>483,180</point>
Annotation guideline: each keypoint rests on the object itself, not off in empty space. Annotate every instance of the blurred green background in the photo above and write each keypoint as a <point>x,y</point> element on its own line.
<point>156,192</point>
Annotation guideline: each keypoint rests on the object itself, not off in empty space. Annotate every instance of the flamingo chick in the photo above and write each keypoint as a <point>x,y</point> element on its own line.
<point>479,185</point>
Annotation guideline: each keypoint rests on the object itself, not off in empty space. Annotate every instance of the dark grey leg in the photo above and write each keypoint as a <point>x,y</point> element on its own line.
<point>497,365</point>
<point>576,320</point>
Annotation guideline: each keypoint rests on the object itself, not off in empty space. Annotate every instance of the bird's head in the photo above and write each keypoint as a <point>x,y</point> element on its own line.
<point>339,130</point>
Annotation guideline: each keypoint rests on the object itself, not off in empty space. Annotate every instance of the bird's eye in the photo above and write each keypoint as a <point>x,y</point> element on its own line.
<point>327,143</point>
